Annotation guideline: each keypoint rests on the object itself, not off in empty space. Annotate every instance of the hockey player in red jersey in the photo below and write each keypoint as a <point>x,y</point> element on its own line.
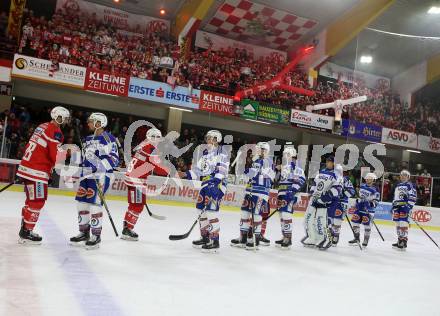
<point>35,169</point>
<point>146,161</point>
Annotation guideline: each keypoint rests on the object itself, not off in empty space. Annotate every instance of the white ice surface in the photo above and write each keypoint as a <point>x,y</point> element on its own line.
<point>156,276</point>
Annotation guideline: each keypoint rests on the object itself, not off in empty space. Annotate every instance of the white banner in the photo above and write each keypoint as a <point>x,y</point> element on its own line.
<point>41,69</point>
<point>216,42</point>
<point>428,143</point>
<point>400,138</point>
<point>117,18</point>
<point>311,120</point>
<point>5,74</point>
<point>348,75</point>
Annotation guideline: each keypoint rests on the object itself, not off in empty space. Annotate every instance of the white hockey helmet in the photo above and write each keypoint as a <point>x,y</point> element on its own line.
<point>263,146</point>
<point>58,112</point>
<point>371,176</point>
<point>153,134</point>
<point>405,173</point>
<point>98,117</point>
<point>290,150</point>
<point>214,134</point>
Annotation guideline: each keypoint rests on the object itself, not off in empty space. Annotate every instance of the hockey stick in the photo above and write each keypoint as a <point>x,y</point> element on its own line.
<point>180,237</point>
<point>6,187</point>
<point>425,232</point>
<point>158,217</point>
<point>377,228</point>
<point>98,188</point>
<point>351,226</point>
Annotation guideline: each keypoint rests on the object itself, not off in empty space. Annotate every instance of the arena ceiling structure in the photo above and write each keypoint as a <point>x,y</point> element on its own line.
<point>392,53</point>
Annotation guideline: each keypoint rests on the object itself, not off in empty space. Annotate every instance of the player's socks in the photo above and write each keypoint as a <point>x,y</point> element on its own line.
<point>129,234</point>
<point>93,242</point>
<point>80,238</point>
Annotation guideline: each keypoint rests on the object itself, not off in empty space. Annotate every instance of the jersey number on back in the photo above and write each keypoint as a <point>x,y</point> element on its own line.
<point>28,153</point>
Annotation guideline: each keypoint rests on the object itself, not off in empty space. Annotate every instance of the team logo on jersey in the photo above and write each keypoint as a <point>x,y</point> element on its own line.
<point>320,186</point>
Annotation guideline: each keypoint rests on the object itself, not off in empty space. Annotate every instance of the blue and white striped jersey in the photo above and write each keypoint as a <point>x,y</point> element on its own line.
<point>405,194</point>
<point>261,176</point>
<point>292,178</point>
<point>368,199</point>
<point>327,187</point>
<point>212,163</point>
<point>348,191</point>
<point>101,153</point>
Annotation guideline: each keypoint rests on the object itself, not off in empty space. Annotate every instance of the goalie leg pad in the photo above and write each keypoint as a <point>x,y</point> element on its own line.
<point>309,217</point>
<point>321,225</point>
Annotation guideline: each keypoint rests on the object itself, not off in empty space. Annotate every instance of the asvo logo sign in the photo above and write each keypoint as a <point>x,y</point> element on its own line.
<point>421,216</point>
<point>396,137</point>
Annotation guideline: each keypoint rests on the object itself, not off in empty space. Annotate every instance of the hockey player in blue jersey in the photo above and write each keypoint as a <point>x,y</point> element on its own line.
<point>325,190</point>
<point>100,158</point>
<point>339,208</point>
<point>291,181</point>
<point>256,199</point>
<point>366,204</point>
<point>211,167</point>
<point>405,197</point>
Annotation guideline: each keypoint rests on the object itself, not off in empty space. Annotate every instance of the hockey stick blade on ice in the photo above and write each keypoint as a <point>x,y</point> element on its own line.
<point>158,217</point>
<point>184,236</point>
<point>423,230</point>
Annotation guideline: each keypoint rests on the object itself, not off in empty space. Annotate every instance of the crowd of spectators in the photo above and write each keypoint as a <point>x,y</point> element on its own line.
<point>7,44</point>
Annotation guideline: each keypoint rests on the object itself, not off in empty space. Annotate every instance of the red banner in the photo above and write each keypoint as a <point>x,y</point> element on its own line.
<point>105,82</point>
<point>216,102</point>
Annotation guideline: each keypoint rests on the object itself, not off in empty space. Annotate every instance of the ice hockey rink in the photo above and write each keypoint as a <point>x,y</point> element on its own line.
<point>155,276</point>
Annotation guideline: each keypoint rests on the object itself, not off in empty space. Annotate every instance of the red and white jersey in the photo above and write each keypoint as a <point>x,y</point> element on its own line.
<point>40,153</point>
<point>144,162</point>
